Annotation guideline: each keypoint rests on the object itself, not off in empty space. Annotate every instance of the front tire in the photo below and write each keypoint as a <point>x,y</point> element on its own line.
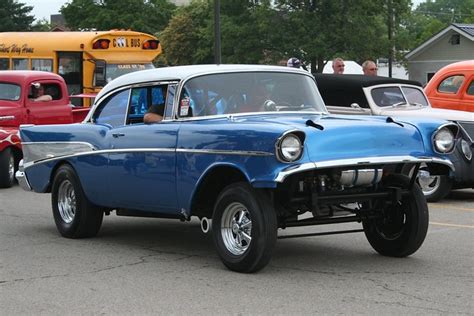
<point>244,228</point>
<point>404,225</point>
<point>7,168</point>
<point>74,215</point>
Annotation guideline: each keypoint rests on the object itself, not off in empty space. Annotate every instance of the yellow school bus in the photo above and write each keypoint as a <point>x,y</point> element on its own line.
<point>86,60</point>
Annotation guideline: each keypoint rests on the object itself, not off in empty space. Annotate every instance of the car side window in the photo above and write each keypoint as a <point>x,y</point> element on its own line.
<point>113,111</point>
<point>451,84</point>
<point>470,89</point>
<point>144,99</point>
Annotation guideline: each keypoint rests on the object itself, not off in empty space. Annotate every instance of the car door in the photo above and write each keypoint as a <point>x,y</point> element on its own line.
<point>141,160</point>
<point>466,103</point>
<point>55,111</point>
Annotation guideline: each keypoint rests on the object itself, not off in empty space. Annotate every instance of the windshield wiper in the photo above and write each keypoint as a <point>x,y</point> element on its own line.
<point>403,103</point>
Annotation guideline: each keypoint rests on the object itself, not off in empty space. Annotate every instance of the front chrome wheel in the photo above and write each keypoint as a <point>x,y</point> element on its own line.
<point>236,228</point>
<point>428,183</point>
<point>67,201</point>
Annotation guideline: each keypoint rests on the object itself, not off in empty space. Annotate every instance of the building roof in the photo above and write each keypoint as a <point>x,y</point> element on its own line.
<point>466,30</point>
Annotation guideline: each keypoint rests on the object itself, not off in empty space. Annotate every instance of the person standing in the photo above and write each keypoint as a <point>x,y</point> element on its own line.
<point>338,66</point>
<point>369,68</point>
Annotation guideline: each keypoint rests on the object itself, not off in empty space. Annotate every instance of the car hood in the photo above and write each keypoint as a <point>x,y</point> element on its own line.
<point>429,112</point>
<point>343,137</point>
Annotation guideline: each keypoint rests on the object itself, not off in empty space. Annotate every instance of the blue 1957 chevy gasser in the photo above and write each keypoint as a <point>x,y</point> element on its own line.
<point>251,147</point>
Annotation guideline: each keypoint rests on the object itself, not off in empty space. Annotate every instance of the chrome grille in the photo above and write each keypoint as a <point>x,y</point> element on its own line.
<point>469,128</point>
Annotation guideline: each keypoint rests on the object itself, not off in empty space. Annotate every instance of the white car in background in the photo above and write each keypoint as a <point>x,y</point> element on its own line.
<point>368,95</point>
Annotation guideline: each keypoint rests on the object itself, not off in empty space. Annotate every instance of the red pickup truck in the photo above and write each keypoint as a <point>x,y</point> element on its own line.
<point>30,97</point>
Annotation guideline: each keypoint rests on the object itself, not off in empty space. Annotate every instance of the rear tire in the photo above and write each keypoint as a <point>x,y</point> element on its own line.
<point>404,226</point>
<point>244,228</point>
<point>7,168</point>
<point>74,215</point>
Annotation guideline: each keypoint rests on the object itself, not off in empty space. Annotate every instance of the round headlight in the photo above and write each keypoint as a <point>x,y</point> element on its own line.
<point>466,149</point>
<point>443,140</point>
<point>290,148</point>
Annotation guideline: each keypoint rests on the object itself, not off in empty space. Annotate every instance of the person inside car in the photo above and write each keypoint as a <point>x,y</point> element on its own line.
<point>39,95</point>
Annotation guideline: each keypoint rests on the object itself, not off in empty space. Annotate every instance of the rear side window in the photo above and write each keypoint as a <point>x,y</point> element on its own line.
<point>451,84</point>
<point>470,89</point>
<point>151,98</point>
<point>113,111</point>
<point>10,92</point>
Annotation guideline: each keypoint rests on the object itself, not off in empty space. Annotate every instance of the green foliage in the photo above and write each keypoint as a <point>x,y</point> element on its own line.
<point>41,26</point>
<point>15,16</point>
<point>139,15</point>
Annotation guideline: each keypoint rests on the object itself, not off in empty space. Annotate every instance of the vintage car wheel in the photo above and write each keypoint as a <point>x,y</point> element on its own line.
<point>74,215</point>
<point>434,187</point>
<point>7,168</point>
<point>403,228</point>
<point>244,227</point>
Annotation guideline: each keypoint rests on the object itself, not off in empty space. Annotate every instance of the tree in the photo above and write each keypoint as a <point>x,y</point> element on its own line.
<point>139,15</point>
<point>15,16</point>
<point>187,38</point>
<point>319,30</point>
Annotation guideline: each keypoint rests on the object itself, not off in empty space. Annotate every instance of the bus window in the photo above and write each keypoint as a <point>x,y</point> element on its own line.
<point>20,64</point>
<point>42,64</point>
<point>4,64</point>
<point>117,70</point>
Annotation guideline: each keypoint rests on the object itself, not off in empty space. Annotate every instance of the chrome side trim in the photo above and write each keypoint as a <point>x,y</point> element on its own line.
<point>33,151</point>
<point>357,162</point>
<point>224,152</point>
<point>46,152</point>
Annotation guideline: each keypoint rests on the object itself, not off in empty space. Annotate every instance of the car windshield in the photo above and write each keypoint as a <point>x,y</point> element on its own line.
<point>398,96</point>
<point>10,92</point>
<point>117,70</point>
<point>249,92</point>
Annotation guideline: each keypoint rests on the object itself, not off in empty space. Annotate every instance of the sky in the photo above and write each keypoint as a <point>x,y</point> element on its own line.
<point>44,8</point>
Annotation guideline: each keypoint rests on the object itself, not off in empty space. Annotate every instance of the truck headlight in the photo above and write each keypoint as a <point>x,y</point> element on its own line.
<point>289,148</point>
<point>443,140</point>
<point>466,149</point>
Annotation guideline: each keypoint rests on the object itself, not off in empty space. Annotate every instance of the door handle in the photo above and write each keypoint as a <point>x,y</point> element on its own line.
<point>117,135</point>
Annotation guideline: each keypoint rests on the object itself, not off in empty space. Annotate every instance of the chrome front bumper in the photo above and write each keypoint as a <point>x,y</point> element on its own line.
<point>21,177</point>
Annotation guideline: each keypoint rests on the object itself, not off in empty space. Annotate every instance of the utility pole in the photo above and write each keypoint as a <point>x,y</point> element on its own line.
<point>390,37</point>
<point>217,32</point>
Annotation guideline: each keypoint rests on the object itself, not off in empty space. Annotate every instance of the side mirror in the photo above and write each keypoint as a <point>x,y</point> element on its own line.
<point>100,73</point>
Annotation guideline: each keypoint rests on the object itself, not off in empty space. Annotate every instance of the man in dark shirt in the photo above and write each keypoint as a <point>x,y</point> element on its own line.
<point>154,114</point>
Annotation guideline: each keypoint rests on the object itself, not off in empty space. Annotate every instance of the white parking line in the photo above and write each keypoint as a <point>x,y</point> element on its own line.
<point>451,225</point>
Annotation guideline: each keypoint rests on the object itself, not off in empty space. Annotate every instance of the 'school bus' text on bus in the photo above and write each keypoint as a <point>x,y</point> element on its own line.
<point>86,60</point>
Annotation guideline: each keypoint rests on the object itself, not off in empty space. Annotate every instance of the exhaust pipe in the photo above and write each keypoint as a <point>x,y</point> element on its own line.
<point>206,225</point>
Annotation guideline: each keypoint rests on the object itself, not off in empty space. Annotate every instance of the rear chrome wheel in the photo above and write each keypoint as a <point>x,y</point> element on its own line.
<point>74,215</point>
<point>66,201</point>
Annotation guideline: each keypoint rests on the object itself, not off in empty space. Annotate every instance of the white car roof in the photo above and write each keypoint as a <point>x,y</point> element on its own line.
<point>183,72</point>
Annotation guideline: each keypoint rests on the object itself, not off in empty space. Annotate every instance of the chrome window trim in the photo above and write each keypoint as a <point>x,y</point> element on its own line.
<point>357,162</point>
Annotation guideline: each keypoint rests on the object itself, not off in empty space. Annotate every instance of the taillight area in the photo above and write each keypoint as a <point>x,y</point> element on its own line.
<point>151,44</point>
<point>101,44</point>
